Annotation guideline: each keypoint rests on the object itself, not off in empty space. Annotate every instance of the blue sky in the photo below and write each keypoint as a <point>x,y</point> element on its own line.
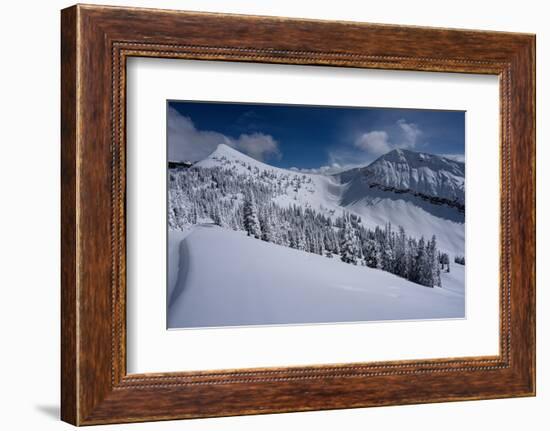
<point>310,137</point>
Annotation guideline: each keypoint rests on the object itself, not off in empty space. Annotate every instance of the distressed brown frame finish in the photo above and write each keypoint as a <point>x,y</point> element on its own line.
<point>96,41</point>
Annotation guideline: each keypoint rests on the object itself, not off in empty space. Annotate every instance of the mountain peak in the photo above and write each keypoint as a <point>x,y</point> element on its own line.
<point>225,155</point>
<point>396,155</point>
<point>423,174</point>
<point>224,149</point>
<point>405,153</point>
<point>416,160</point>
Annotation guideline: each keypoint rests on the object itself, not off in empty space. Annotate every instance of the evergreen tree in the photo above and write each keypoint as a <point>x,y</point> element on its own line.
<point>434,264</point>
<point>422,264</point>
<point>216,216</point>
<point>378,254</point>
<point>251,223</point>
<point>401,261</point>
<point>301,240</point>
<point>292,240</point>
<point>319,244</point>
<point>348,249</point>
<point>444,262</point>
<point>370,253</point>
<point>387,255</point>
<point>265,227</point>
<point>193,214</point>
<point>412,262</point>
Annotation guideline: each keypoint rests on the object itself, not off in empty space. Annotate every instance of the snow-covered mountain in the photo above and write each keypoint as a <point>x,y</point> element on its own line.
<point>422,192</point>
<point>321,192</point>
<point>433,178</point>
<point>224,155</point>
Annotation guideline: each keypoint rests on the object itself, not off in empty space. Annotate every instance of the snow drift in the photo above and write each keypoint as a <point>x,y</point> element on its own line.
<point>267,284</point>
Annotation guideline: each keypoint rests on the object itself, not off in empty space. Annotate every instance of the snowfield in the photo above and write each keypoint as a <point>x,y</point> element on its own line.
<point>219,277</point>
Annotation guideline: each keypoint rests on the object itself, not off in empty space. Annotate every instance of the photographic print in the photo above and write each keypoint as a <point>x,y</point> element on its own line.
<point>296,214</point>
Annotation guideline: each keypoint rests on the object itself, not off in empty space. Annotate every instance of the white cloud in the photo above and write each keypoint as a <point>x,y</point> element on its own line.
<point>378,142</point>
<point>186,142</point>
<point>375,142</point>
<point>410,133</point>
<point>258,145</point>
<point>334,168</point>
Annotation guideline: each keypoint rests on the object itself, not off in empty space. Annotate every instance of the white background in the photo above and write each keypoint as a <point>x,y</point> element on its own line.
<point>29,216</point>
<point>152,349</point>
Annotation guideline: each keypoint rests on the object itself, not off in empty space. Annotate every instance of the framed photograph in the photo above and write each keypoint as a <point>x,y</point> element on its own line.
<point>260,217</point>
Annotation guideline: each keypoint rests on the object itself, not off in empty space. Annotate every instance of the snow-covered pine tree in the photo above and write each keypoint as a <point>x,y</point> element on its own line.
<point>370,253</point>
<point>300,240</point>
<point>423,264</point>
<point>275,227</point>
<point>309,240</point>
<point>400,254</point>
<point>216,216</point>
<point>319,243</point>
<point>194,214</point>
<point>265,226</point>
<point>335,243</point>
<point>327,243</point>
<point>412,263</point>
<point>444,262</point>
<point>387,255</point>
<point>349,250</point>
<point>292,240</point>
<point>250,220</point>
<point>378,254</point>
<point>432,254</point>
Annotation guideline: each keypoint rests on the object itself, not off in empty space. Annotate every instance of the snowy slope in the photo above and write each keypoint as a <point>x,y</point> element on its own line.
<point>268,284</point>
<point>415,216</point>
<point>418,191</point>
<point>308,190</point>
<point>422,192</point>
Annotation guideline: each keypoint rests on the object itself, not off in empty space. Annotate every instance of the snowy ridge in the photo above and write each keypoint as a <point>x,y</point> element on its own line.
<point>321,192</point>
<point>226,156</point>
<point>421,174</point>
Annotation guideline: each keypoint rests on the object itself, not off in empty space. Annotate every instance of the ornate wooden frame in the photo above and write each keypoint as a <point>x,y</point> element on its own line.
<point>95,43</point>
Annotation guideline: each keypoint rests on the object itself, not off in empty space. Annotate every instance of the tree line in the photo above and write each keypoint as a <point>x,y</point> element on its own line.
<point>245,203</point>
